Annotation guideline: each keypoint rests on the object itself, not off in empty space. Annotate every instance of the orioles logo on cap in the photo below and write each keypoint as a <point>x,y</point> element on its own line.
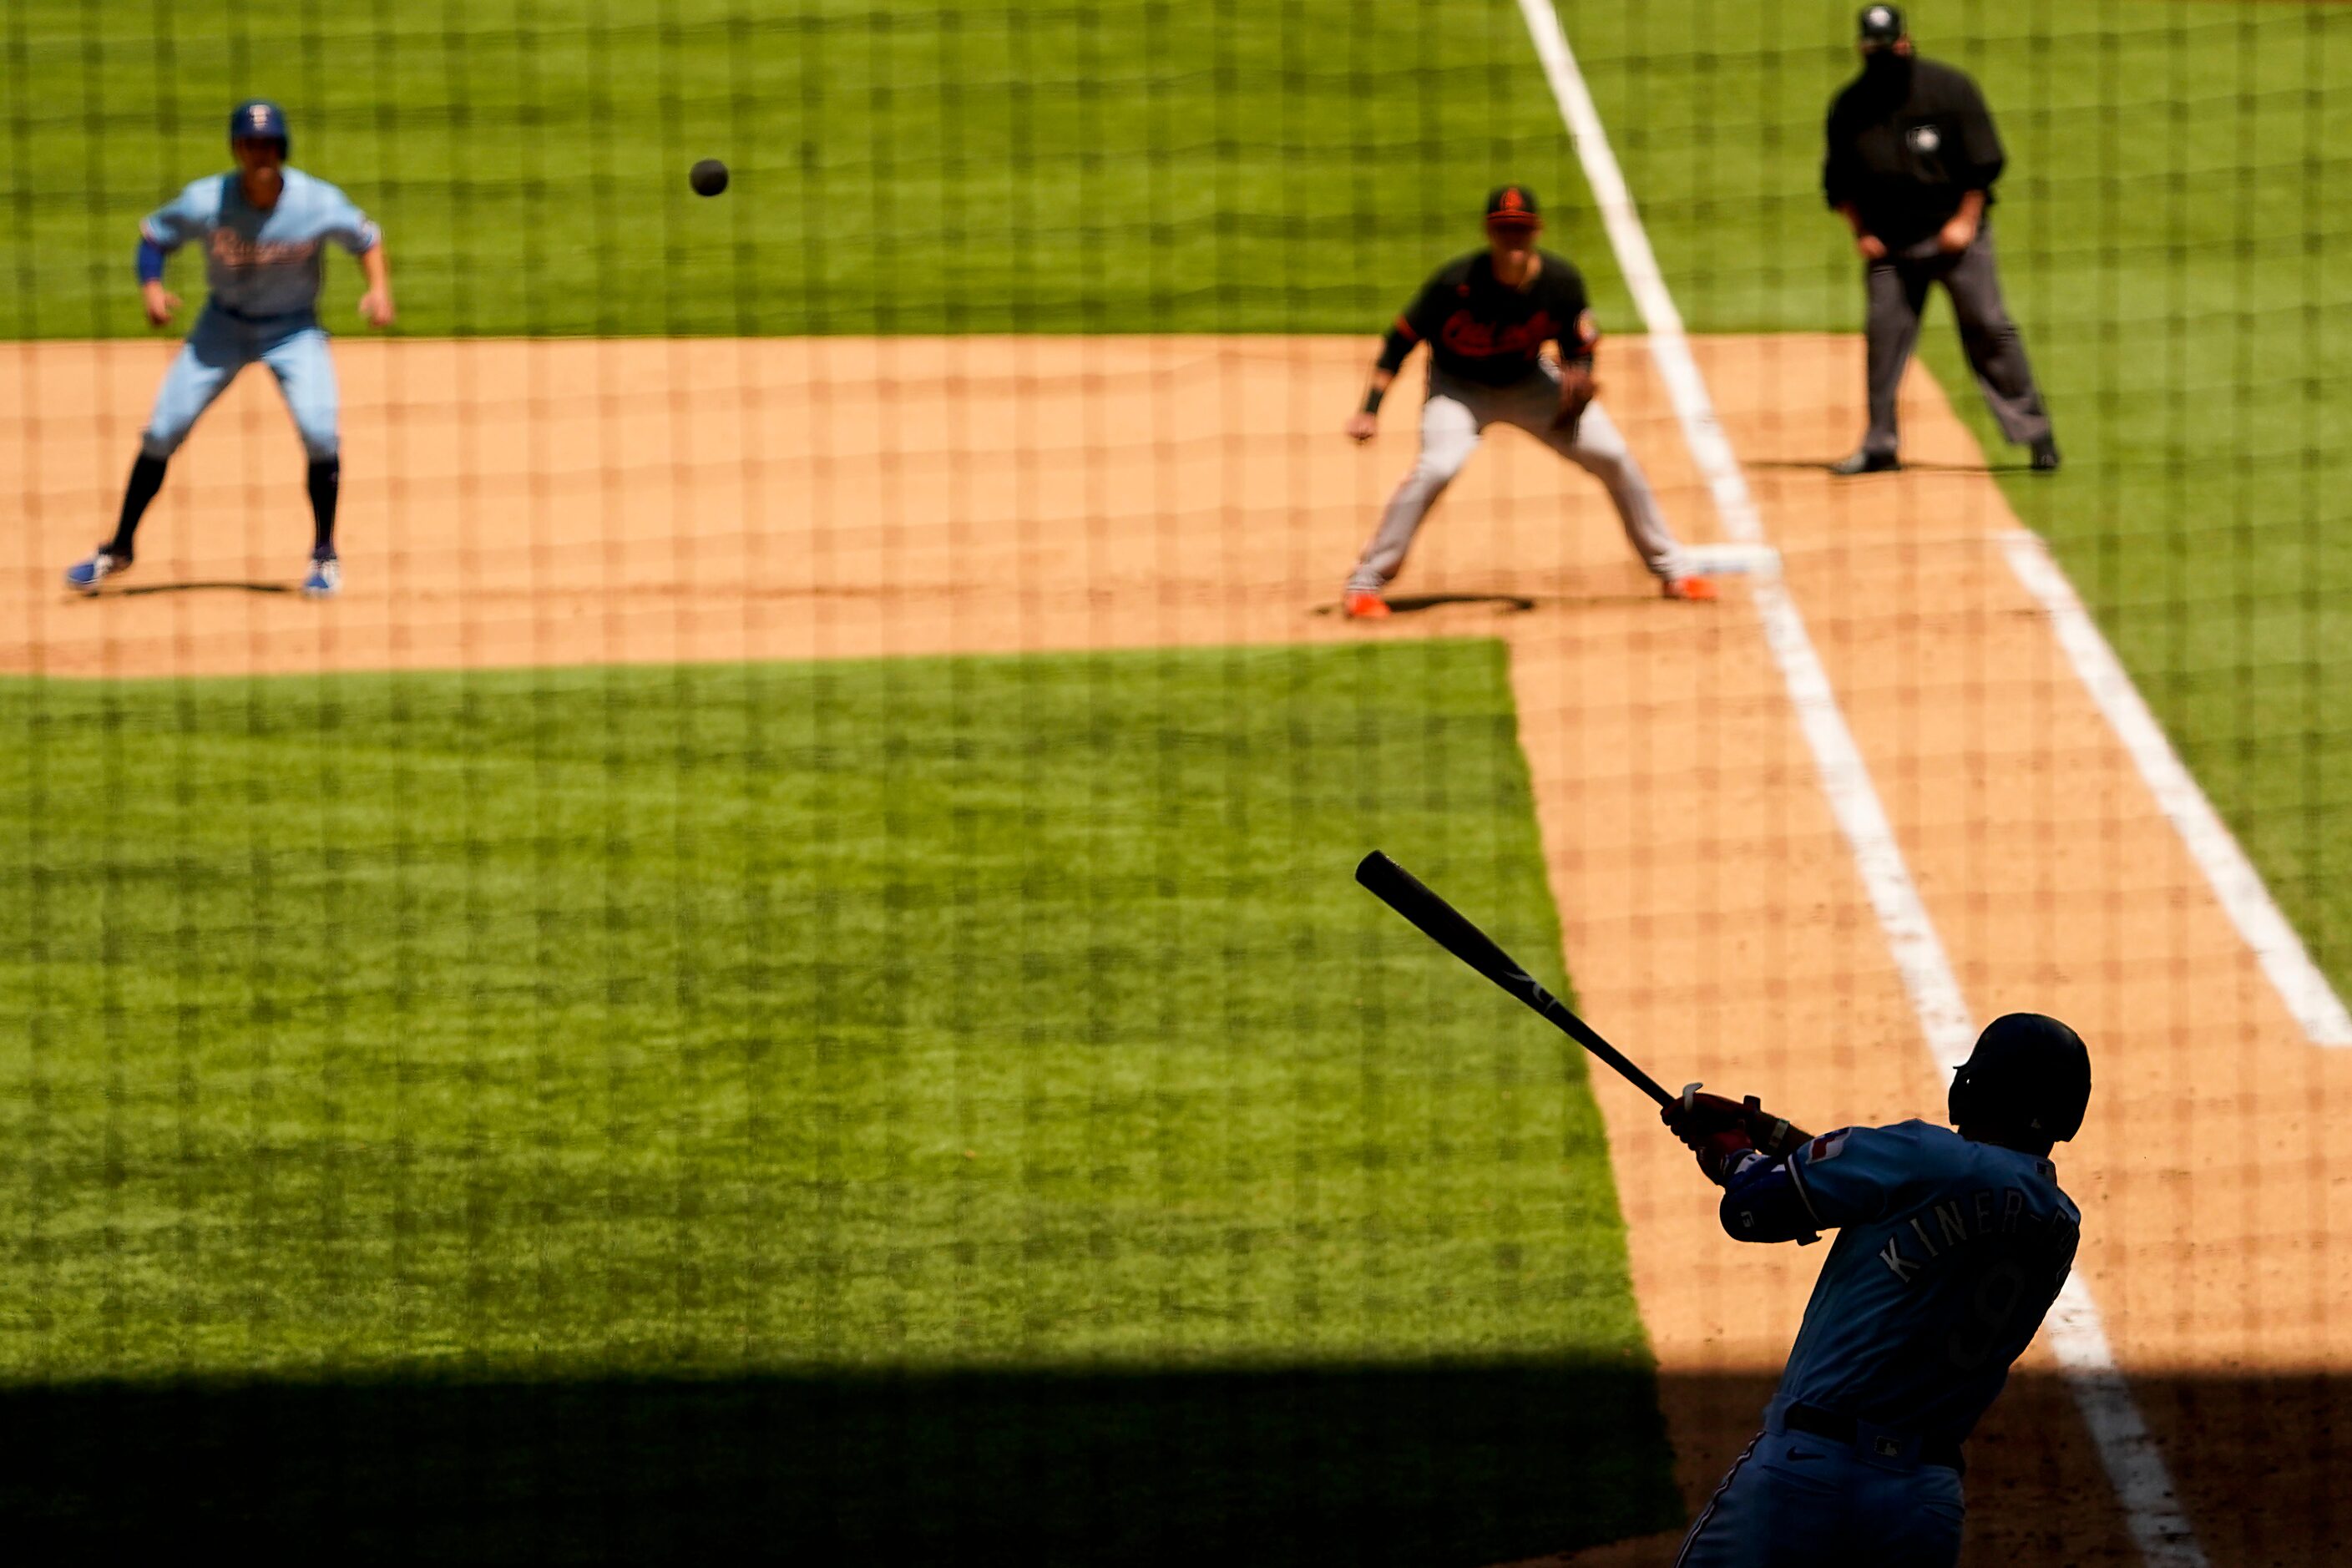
<point>1512,200</point>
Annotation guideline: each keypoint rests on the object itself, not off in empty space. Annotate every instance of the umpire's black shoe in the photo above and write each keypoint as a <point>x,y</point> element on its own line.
<point>2045,456</point>
<point>1866,462</point>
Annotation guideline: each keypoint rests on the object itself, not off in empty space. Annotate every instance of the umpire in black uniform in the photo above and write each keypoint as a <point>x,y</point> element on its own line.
<point>1911,164</point>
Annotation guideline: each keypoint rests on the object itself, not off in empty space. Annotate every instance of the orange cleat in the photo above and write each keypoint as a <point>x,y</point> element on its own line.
<point>1698,590</point>
<point>1362,606</point>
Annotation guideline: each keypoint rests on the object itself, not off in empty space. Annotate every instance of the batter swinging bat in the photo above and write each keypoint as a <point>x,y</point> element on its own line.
<point>1446,926</point>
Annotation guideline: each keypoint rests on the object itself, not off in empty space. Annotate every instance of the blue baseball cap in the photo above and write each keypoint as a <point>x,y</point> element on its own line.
<point>258,119</point>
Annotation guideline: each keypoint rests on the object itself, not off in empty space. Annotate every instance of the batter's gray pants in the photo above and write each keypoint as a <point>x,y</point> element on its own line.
<point>1452,421</point>
<point>1898,292</point>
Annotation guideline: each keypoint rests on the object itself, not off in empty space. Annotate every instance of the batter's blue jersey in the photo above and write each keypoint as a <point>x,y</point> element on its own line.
<point>1948,1255</point>
<point>262,264</point>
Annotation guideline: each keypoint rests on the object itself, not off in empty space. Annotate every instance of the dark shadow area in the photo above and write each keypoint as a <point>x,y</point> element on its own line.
<point>142,589</point>
<point>1504,603</point>
<point>1449,1465</point>
<point>1466,1466</point>
<point>1410,604</point>
<point>2258,1463</point>
<point>1809,466</point>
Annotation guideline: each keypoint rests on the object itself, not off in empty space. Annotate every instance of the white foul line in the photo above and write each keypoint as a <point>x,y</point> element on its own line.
<point>2276,945</point>
<point>2134,1467</point>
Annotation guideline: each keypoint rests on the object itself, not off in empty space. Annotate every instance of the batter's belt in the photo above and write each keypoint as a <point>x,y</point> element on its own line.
<point>1813,1421</point>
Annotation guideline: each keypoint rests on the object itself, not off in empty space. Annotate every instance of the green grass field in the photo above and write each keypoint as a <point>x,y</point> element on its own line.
<point>758,1038</point>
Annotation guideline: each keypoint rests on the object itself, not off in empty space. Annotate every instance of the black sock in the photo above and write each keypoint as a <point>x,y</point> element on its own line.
<point>326,486</point>
<point>146,479</point>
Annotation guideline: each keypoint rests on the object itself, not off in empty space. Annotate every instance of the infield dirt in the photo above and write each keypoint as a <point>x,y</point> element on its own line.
<point>565,502</point>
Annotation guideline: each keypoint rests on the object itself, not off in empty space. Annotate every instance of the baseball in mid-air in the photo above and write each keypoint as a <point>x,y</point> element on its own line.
<point>708,177</point>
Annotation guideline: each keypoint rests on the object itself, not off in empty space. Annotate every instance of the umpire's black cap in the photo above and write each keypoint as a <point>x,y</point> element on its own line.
<point>1880,26</point>
<point>2029,1074</point>
<point>1512,203</point>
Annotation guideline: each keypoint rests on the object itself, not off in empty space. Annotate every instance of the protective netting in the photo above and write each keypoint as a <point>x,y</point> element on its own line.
<point>768,964</point>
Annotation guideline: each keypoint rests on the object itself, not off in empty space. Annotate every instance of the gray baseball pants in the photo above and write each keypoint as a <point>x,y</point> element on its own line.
<point>1452,421</point>
<point>1898,292</point>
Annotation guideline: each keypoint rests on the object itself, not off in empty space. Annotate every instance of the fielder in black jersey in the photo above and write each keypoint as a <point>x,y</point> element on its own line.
<point>1486,318</point>
<point>1481,329</point>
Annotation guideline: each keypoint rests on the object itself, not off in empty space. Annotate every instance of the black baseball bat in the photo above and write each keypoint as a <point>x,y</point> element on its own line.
<point>1452,930</point>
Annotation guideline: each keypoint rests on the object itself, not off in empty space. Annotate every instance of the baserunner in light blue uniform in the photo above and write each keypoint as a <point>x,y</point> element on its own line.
<point>1951,1247</point>
<point>264,228</point>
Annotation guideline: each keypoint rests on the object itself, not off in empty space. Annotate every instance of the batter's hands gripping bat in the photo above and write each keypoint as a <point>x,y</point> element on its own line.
<point>1445,925</point>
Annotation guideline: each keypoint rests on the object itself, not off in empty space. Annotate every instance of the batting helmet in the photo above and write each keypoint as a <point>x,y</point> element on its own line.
<point>258,119</point>
<point>2027,1074</point>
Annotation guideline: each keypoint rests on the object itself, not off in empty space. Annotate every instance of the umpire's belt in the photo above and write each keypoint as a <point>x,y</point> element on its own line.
<point>1873,1442</point>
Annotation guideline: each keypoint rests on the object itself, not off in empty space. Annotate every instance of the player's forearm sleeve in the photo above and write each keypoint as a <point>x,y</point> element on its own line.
<point>1422,318</point>
<point>1763,1202</point>
<point>1396,345</point>
<point>150,261</point>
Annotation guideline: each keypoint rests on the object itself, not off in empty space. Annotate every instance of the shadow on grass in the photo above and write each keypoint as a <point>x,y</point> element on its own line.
<point>1462,1465</point>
